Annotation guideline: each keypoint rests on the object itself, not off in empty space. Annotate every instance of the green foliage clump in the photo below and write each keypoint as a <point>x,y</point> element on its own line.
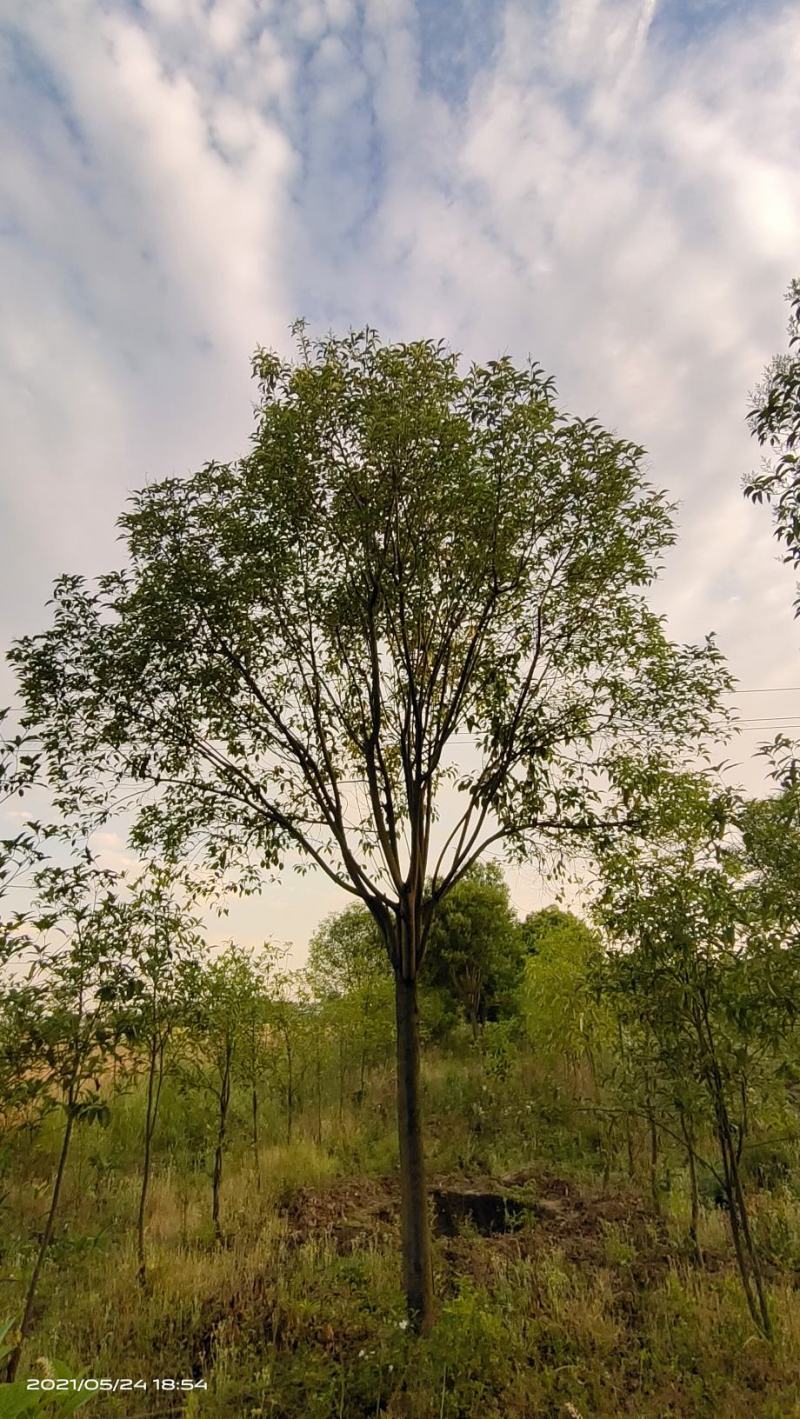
<point>559,1005</point>
<point>474,949</point>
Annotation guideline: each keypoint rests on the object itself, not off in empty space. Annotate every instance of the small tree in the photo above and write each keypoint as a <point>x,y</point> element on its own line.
<point>409,553</point>
<point>291,1028</point>
<point>163,940</point>
<point>562,1019</point>
<point>222,994</point>
<point>63,1017</point>
<point>559,1009</point>
<point>350,978</point>
<point>475,949</point>
<point>708,978</point>
<point>256,1051</point>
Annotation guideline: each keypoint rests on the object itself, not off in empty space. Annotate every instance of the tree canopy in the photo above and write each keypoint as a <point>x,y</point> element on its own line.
<point>407,554</point>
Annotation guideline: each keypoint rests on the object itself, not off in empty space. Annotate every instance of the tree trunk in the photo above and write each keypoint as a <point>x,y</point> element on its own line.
<point>319,1095</point>
<point>654,1188</point>
<point>695,1192</point>
<point>746,1253</point>
<point>747,1258</point>
<point>362,1075</point>
<point>765,1320</point>
<point>149,1129</point>
<point>224,1100</point>
<point>608,1153</point>
<point>736,1231</point>
<point>256,1154</point>
<point>12,1364</point>
<point>628,1130</point>
<point>254,1062</point>
<point>289,1091</point>
<point>415,1224</point>
<point>629,1145</point>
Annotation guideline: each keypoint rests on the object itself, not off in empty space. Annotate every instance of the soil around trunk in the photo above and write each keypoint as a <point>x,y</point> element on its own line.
<point>523,1211</point>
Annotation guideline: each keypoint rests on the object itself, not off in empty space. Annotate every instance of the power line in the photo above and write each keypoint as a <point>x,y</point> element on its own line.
<point>767,719</point>
<point>763,728</point>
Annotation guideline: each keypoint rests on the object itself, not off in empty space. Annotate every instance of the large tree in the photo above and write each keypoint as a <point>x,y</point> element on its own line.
<point>410,555</point>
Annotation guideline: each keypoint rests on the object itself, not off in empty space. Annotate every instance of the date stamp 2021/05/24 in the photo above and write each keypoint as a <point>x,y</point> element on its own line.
<point>88,1384</point>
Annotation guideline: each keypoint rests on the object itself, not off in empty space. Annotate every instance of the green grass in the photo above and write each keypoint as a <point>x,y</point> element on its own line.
<point>599,1307</point>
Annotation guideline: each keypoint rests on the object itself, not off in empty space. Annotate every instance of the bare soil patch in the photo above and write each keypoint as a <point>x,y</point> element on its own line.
<point>517,1213</point>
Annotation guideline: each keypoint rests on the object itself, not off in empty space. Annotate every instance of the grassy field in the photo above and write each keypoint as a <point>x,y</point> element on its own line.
<point>578,1293</point>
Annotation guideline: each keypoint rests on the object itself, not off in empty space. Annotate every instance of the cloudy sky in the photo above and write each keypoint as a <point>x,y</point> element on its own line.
<point>611,187</point>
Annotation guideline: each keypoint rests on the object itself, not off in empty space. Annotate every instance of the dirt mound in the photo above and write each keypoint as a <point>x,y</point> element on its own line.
<point>345,1212</point>
<point>523,1210</point>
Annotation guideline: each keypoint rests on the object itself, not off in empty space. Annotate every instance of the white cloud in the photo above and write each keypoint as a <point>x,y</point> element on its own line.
<point>112,853</point>
<point>229,22</point>
<point>179,179</point>
<point>141,269</point>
